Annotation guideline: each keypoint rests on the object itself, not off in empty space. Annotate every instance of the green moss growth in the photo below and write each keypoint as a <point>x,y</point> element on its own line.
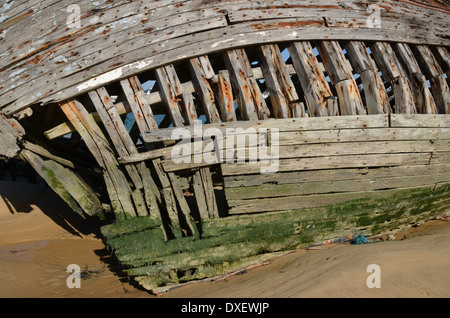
<point>229,242</point>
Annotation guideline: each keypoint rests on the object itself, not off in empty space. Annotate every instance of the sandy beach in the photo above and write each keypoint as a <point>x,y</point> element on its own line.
<point>40,237</point>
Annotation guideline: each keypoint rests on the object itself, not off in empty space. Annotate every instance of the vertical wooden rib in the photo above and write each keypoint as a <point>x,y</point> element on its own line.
<point>433,71</point>
<point>169,95</point>
<point>283,95</point>
<point>138,103</point>
<point>203,88</point>
<point>225,97</point>
<point>251,103</point>
<point>312,80</point>
<point>393,72</point>
<point>204,193</point>
<point>116,183</point>
<point>424,100</point>
<point>123,144</point>
<point>341,77</point>
<point>377,100</point>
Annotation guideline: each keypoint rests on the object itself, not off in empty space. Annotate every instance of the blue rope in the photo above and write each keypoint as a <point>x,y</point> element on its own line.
<point>360,239</point>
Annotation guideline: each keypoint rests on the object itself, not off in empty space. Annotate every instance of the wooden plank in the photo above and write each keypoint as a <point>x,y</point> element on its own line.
<point>340,72</point>
<point>347,175</point>
<point>291,124</point>
<point>225,97</point>
<point>139,104</point>
<point>391,68</point>
<point>206,179</point>
<point>440,89</point>
<point>424,100</point>
<point>302,202</point>
<point>188,105</point>
<point>444,57</point>
<point>37,149</point>
<point>238,72</point>
<point>281,88</point>
<point>330,162</point>
<point>377,100</point>
<point>200,195</point>
<point>333,186</point>
<point>358,135</point>
<point>80,191</point>
<point>51,179</point>
<point>117,184</point>
<point>355,148</point>
<point>312,80</point>
<point>67,128</point>
<point>179,195</point>
<point>9,137</point>
<point>169,96</point>
<point>140,52</point>
<point>420,120</point>
<point>203,88</point>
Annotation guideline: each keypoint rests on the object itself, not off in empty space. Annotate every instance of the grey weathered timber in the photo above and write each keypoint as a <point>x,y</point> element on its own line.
<point>377,100</point>
<point>357,135</point>
<point>330,162</point>
<point>312,80</point>
<point>332,186</point>
<point>306,201</point>
<point>423,98</point>
<point>348,175</point>
<point>139,104</point>
<point>116,182</point>
<point>251,102</point>
<point>179,195</point>
<point>204,193</point>
<point>10,135</point>
<point>290,124</point>
<point>433,71</point>
<point>200,79</point>
<point>341,76</point>
<point>168,92</point>
<point>149,47</point>
<point>273,65</point>
<point>225,97</point>
<point>393,71</point>
<point>413,120</point>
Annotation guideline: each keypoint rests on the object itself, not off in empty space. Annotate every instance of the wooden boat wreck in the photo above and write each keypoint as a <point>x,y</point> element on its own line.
<point>208,135</point>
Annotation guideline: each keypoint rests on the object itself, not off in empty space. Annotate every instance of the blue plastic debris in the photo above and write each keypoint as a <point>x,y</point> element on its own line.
<point>360,239</point>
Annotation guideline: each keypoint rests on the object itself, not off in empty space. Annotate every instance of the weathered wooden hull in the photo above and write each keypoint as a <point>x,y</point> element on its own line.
<point>201,127</point>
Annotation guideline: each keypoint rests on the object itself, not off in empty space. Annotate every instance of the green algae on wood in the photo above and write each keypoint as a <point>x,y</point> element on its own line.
<point>230,242</point>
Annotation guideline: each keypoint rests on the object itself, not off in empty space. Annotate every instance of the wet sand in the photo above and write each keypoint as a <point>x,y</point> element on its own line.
<point>40,237</point>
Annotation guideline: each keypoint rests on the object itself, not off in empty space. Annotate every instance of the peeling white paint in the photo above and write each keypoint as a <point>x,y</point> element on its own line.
<point>16,72</point>
<point>101,79</point>
<point>60,59</point>
<point>141,64</point>
<point>220,42</point>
